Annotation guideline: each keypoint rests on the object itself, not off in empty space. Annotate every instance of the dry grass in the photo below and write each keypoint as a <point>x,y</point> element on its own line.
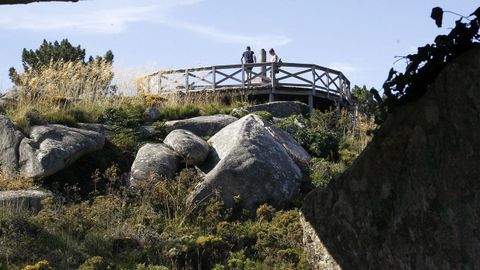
<point>14,183</point>
<point>63,82</point>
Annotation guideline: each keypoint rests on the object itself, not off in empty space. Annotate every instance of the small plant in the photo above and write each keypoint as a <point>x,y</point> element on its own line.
<point>239,113</point>
<point>41,265</point>
<point>94,263</point>
<point>153,100</point>
<point>324,171</point>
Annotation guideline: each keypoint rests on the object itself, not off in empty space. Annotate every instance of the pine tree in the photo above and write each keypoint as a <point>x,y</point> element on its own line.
<point>57,51</point>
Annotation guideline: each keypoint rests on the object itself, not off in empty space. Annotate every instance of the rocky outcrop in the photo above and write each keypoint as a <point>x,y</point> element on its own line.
<point>10,138</point>
<point>51,148</point>
<point>23,199</point>
<point>147,132</point>
<point>412,199</point>
<point>202,126</point>
<point>251,166</point>
<point>192,148</point>
<point>47,150</point>
<point>100,128</point>
<point>151,114</point>
<point>154,161</point>
<point>9,96</point>
<point>278,109</point>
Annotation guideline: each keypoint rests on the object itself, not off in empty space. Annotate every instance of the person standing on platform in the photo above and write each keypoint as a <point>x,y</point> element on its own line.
<point>248,57</point>
<point>274,59</point>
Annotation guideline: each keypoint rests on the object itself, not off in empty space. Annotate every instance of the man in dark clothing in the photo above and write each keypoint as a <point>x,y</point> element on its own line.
<point>248,57</point>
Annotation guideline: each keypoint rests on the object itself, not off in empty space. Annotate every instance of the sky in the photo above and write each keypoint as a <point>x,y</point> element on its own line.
<point>359,38</point>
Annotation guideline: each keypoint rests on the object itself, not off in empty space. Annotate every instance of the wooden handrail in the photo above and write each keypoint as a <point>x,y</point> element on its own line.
<point>306,76</point>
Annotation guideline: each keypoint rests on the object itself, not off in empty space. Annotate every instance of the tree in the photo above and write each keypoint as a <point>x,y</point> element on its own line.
<point>64,51</point>
<point>365,101</point>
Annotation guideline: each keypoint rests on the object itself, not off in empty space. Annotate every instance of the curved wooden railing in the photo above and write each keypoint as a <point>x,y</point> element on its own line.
<point>287,75</point>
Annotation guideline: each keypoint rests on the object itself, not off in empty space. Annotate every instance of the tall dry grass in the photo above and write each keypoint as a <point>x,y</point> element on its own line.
<point>63,82</point>
<point>14,183</point>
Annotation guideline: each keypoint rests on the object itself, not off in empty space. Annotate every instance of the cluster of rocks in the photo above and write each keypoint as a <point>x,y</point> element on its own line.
<point>248,159</point>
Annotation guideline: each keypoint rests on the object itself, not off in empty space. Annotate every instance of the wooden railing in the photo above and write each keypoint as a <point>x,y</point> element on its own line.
<point>286,75</point>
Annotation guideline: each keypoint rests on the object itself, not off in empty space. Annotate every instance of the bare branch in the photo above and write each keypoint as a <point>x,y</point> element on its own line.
<point>14,2</point>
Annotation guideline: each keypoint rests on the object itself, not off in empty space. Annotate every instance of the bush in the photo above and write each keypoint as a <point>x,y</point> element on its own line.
<point>239,113</point>
<point>324,171</point>
<point>94,263</point>
<point>41,265</point>
<point>142,266</point>
<point>178,112</point>
<point>268,116</point>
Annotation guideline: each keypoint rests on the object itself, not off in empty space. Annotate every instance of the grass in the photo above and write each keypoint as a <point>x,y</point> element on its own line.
<point>14,183</point>
<point>95,222</point>
<point>153,226</point>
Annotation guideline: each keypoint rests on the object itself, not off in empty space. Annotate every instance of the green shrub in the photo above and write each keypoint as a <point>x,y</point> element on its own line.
<point>215,108</point>
<point>178,112</point>
<point>142,266</point>
<point>41,265</point>
<point>94,263</point>
<point>59,117</point>
<point>161,130</point>
<point>264,114</point>
<point>319,143</point>
<point>239,113</point>
<point>324,171</point>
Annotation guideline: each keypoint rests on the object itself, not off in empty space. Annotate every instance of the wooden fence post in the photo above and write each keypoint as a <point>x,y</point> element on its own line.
<point>214,81</point>
<point>310,96</point>
<point>271,97</point>
<point>243,76</point>
<point>187,86</point>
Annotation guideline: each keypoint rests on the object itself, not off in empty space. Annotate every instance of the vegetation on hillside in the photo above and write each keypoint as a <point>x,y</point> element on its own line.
<point>95,222</point>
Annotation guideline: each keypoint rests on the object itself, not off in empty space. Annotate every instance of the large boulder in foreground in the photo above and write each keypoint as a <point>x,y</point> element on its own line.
<point>51,148</point>
<point>188,145</point>
<point>10,138</point>
<point>202,126</point>
<point>23,199</point>
<point>278,109</point>
<point>412,199</point>
<point>154,161</point>
<point>250,164</point>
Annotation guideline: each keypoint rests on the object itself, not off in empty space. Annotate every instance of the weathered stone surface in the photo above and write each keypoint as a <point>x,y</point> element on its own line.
<point>279,109</point>
<point>412,199</point>
<point>10,138</point>
<point>250,163</point>
<point>23,199</point>
<point>151,114</point>
<point>147,132</point>
<point>10,95</point>
<point>202,125</point>
<point>154,161</point>
<point>51,148</point>
<point>100,128</point>
<point>188,145</point>
<point>294,149</point>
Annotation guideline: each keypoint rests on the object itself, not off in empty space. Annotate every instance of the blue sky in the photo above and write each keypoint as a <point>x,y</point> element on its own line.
<point>359,38</point>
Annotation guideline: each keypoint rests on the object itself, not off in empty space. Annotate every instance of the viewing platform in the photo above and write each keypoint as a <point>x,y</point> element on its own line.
<point>318,86</point>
